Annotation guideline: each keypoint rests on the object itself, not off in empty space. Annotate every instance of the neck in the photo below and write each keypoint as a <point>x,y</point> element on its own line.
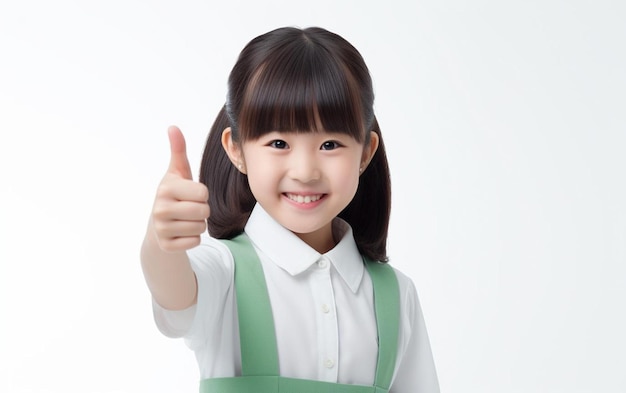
<point>321,240</point>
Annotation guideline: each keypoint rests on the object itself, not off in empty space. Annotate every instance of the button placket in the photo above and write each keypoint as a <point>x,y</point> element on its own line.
<point>327,329</point>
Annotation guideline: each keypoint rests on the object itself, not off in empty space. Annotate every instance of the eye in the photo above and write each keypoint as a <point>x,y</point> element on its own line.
<point>278,144</point>
<point>330,145</point>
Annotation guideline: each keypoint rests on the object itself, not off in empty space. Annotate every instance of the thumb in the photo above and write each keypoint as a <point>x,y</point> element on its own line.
<point>179,163</point>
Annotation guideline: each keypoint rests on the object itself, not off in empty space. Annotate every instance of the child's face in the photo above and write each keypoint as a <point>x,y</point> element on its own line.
<point>304,180</point>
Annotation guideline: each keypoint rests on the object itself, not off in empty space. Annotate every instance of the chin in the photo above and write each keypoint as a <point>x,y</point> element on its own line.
<point>300,229</point>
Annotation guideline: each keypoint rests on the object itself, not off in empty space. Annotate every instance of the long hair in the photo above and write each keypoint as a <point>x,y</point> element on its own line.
<point>298,80</point>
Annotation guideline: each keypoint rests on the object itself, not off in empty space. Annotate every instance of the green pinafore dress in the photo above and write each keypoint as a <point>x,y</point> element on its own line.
<point>259,354</point>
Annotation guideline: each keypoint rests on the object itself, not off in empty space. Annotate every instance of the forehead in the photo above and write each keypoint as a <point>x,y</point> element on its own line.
<point>311,98</point>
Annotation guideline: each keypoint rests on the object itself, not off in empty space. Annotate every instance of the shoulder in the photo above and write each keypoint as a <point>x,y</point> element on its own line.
<point>209,255</point>
<point>404,281</point>
<point>408,296</point>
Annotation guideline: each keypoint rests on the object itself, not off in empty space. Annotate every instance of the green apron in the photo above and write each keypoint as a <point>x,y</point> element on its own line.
<point>259,354</point>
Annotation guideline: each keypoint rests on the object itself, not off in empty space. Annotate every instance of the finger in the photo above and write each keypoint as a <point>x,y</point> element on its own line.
<point>179,163</point>
<point>175,229</point>
<point>173,187</point>
<point>185,211</point>
<point>180,210</point>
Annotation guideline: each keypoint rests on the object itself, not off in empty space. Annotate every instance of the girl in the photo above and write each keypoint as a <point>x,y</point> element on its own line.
<point>295,184</point>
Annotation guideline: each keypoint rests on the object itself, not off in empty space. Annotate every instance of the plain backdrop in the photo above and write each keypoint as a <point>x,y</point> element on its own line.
<point>505,125</point>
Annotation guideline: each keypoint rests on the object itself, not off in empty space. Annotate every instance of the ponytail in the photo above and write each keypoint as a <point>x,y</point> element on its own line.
<point>230,198</point>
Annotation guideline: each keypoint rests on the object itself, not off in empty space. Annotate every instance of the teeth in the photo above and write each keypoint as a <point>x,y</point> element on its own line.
<point>304,199</point>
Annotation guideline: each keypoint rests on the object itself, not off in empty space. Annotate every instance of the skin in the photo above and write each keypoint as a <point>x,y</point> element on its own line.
<point>176,222</point>
<point>303,180</point>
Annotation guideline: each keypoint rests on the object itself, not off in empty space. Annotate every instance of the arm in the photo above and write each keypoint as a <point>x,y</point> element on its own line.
<point>178,218</point>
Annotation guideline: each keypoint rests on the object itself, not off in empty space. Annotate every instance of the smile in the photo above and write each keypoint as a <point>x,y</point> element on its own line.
<point>304,198</point>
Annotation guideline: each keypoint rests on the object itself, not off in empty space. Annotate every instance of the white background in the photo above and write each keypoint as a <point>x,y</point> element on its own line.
<point>505,125</point>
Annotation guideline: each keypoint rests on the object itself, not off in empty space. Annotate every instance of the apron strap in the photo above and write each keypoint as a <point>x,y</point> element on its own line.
<point>387,309</point>
<point>259,353</point>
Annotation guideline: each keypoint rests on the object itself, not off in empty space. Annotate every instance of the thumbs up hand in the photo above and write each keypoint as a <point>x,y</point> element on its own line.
<point>181,205</point>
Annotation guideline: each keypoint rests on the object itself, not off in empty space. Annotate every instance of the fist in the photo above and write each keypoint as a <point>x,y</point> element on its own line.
<point>181,205</point>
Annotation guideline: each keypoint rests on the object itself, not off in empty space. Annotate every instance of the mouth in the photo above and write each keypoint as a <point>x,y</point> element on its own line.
<point>304,199</point>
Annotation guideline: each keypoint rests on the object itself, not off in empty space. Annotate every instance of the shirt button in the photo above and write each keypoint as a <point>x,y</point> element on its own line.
<point>325,308</point>
<point>328,363</point>
<point>323,263</point>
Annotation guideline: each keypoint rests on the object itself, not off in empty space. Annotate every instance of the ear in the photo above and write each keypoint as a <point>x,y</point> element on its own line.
<point>369,150</point>
<point>233,150</point>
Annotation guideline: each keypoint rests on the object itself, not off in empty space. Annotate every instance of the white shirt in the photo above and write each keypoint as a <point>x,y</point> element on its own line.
<point>322,306</point>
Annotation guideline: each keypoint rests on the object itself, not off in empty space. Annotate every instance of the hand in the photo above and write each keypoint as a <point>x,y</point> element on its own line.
<point>181,205</point>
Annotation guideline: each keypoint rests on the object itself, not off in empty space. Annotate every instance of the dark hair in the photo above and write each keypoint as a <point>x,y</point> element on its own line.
<point>298,80</point>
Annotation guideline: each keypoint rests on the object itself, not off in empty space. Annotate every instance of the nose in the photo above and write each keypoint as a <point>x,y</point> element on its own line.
<point>304,167</point>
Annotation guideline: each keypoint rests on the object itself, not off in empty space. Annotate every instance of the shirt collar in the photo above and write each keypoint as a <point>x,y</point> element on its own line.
<point>287,251</point>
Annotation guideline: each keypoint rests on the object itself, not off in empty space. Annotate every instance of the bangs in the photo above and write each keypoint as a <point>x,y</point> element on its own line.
<point>302,89</point>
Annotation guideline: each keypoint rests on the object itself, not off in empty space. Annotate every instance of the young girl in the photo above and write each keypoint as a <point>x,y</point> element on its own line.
<point>294,173</point>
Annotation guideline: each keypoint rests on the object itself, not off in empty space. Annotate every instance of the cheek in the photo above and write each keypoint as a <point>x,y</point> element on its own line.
<point>260,179</point>
<point>346,180</point>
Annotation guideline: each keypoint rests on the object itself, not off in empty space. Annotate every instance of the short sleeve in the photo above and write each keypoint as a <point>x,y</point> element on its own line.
<point>213,266</point>
<point>416,371</point>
